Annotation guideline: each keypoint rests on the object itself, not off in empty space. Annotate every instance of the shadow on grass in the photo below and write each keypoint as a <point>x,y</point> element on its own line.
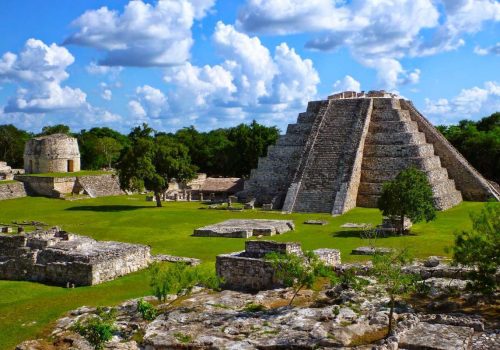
<point>359,234</point>
<point>108,208</point>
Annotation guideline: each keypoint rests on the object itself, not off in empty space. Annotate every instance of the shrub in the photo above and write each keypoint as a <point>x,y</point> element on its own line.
<point>251,307</point>
<point>147,311</point>
<point>98,328</point>
<point>479,249</point>
<point>298,272</point>
<point>179,279</point>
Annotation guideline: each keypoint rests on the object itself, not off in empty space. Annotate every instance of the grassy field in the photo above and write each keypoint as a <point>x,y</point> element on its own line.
<point>5,182</point>
<point>76,173</point>
<point>27,309</point>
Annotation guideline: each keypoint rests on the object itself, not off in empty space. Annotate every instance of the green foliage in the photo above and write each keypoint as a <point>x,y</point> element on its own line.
<point>479,142</point>
<point>298,272</point>
<point>55,129</point>
<point>479,248</point>
<point>100,147</point>
<point>98,328</point>
<point>251,307</point>
<point>150,162</point>
<point>408,195</point>
<point>147,311</point>
<point>349,279</point>
<point>388,269</point>
<point>12,141</point>
<point>183,338</point>
<point>179,279</point>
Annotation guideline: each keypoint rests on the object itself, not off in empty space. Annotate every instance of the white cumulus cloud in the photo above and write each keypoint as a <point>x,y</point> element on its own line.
<point>143,34</point>
<point>347,83</point>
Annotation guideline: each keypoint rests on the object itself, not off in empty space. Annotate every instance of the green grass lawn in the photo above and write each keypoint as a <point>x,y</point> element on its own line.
<point>76,173</point>
<point>5,182</point>
<point>27,309</point>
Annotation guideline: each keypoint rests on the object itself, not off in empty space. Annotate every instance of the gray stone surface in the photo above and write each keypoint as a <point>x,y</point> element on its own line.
<point>316,222</point>
<point>62,258</point>
<point>245,228</point>
<point>12,190</point>
<point>427,336</point>
<point>176,259</point>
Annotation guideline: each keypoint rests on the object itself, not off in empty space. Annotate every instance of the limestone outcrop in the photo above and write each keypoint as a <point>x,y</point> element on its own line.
<point>11,190</point>
<point>66,259</point>
<point>241,228</point>
<point>341,151</point>
<point>57,153</point>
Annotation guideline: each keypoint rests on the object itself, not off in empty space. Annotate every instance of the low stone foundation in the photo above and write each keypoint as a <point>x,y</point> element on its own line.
<point>12,190</point>
<point>62,258</point>
<point>249,270</point>
<point>237,228</point>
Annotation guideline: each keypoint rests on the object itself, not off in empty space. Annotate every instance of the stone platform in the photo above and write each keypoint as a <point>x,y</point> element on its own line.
<point>238,228</point>
<point>62,258</point>
<point>250,271</point>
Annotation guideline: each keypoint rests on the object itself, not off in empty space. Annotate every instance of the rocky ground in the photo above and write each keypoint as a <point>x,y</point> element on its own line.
<point>330,318</point>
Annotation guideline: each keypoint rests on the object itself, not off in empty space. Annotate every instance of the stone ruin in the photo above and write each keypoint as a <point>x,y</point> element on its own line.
<point>341,151</point>
<point>61,258</point>
<point>241,228</point>
<point>7,173</point>
<point>57,153</point>
<point>248,270</point>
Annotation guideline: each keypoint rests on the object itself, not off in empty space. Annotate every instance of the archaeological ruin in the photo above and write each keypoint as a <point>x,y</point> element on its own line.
<point>57,153</point>
<point>241,228</point>
<point>249,270</point>
<point>342,149</point>
<point>61,258</point>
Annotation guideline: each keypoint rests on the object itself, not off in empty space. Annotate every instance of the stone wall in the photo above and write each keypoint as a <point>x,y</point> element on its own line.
<point>58,187</point>
<point>57,257</point>
<point>12,190</point>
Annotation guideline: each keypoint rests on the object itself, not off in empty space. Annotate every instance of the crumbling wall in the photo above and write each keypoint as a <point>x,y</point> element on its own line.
<point>12,190</point>
<point>99,185</point>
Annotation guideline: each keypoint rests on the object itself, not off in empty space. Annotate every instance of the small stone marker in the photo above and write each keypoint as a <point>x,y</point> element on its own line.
<point>268,206</point>
<point>316,222</point>
<point>354,225</point>
<point>370,250</point>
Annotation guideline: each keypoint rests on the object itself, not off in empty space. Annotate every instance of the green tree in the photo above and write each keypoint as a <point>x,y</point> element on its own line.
<point>409,195</point>
<point>97,329</point>
<point>91,150</point>
<point>388,269</point>
<point>55,129</point>
<point>109,148</point>
<point>151,162</point>
<point>298,272</point>
<point>479,249</point>
<point>12,141</point>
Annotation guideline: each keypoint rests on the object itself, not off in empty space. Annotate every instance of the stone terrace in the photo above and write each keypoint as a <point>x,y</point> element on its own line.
<point>237,228</point>
<point>62,258</point>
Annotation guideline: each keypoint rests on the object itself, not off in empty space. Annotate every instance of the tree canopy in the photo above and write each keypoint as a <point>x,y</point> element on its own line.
<point>408,195</point>
<point>12,141</point>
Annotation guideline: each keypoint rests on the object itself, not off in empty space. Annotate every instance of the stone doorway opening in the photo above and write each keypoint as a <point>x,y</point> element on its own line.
<point>71,166</point>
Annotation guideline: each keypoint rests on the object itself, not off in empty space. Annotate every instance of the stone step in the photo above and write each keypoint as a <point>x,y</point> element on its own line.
<point>398,163</point>
<point>421,150</point>
<point>439,189</point>
<point>301,129</point>
<point>292,140</point>
<point>393,126</point>
<point>400,138</point>
<point>386,103</point>
<point>390,115</point>
<point>443,188</point>
<point>306,117</point>
<point>371,176</point>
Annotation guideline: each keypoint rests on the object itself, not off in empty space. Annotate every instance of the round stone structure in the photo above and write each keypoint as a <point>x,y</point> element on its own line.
<point>57,153</point>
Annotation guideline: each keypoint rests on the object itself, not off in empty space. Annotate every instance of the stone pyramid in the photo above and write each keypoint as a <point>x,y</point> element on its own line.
<point>341,151</point>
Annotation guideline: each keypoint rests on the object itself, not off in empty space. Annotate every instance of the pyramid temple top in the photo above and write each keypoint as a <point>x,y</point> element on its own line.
<point>362,94</point>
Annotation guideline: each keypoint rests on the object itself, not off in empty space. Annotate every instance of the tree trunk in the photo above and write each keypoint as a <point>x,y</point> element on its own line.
<point>294,295</point>
<point>391,313</point>
<point>402,224</point>
<point>158,199</point>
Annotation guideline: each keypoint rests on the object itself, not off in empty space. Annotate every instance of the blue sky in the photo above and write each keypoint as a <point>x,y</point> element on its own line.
<point>208,63</point>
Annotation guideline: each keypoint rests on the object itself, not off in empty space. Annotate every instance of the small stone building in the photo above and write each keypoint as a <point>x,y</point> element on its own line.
<point>57,153</point>
<point>249,270</point>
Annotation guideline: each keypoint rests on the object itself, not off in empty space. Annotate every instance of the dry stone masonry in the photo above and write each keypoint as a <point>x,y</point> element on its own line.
<point>239,228</point>
<point>53,153</point>
<point>11,190</point>
<point>341,151</point>
<point>62,258</point>
<point>249,270</point>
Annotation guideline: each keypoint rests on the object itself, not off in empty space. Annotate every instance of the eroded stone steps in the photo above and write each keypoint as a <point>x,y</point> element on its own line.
<point>400,163</point>
<point>437,174</point>
<point>421,150</point>
<point>393,126</point>
<point>439,188</point>
<point>397,138</point>
<point>390,115</point>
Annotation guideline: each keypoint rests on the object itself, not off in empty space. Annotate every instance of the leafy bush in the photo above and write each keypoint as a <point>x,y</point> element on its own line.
<point>298,272</point>
<point>98,328</point>
<point>147,311</point>
<point>479,249</point>
<point>179,279</point>
<point>348,279</point>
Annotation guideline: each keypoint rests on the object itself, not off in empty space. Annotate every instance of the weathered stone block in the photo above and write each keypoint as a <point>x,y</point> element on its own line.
<point>426,336</point>
<point>239,228</point>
